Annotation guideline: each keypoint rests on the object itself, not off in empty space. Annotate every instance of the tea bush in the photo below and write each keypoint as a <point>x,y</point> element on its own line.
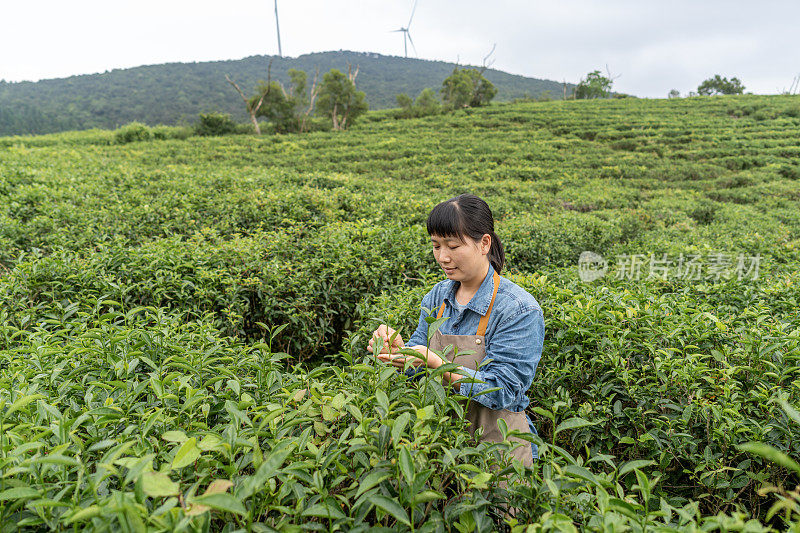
<point>133,132</point>
<point>215,124</point>
<point>183,323</point>
<point>672,374</point>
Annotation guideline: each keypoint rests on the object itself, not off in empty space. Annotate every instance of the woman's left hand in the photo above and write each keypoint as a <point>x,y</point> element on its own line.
<point>421,357</point>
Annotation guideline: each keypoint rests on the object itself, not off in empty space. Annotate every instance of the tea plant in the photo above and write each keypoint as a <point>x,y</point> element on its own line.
<point>184,320</point>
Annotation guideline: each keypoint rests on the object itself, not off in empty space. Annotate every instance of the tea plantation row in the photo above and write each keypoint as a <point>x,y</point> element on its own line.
<point>183,324</point>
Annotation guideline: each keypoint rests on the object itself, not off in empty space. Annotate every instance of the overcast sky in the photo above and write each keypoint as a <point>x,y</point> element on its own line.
<point>652,46</point>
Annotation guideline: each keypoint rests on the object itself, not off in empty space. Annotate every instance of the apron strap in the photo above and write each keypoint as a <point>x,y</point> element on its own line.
<point>485,318</point>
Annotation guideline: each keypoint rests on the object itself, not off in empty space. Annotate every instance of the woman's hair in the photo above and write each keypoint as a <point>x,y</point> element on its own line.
<point>467,215</point>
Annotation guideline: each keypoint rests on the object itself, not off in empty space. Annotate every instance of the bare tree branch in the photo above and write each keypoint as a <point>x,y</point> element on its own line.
<point>312,97</point>
<point>612,78</point>
<point>250,110</point>
<point>350,75</point>
<point>237,88</point>
<point>485,66</point>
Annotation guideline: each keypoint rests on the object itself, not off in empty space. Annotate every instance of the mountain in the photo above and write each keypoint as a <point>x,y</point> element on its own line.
<point>174,93</point>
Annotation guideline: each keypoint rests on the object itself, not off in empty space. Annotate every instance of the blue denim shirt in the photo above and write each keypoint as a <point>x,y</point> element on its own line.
<point>514,339</point>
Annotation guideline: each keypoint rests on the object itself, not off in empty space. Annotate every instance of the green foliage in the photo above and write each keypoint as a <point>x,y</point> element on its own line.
<point>183,324</point>
<point>276,107</point>
<point>176,93</point>
<point>405,102</point>
<point>339,100</point>
<point>286,111</point>
<point>214,124</point>
<point>171,132</point>
<point>135,131</point>
<point>199,431</point>
<point>466,88</point>
<point>674,93</point>
<point>594,85</point>
<point>720,85</point>
<point>425,105</point>
<point>660,367</point>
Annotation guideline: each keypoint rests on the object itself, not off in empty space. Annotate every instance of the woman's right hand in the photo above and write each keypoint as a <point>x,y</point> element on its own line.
<point>388,335</point>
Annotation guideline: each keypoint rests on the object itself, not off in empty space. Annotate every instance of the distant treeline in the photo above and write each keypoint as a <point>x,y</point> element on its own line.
<point>175,93</point>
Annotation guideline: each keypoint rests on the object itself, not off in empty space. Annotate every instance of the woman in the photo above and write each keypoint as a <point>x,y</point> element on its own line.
<point>489,315</point>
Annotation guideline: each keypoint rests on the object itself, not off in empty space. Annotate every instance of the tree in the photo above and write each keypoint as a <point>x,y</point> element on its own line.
<point>595,85</point>
<point>467,88</point>
<point>339,99</point>
<point>253,106</point>
<point>720,85</point>
<point>425,104</point>
<point>286,111</point>
<point>276,106</point>
<point>406,104</point>
<point>302,99</point>
<point>674,93</point>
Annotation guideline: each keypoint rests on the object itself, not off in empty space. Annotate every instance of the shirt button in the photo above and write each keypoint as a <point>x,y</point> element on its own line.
<point>477,341</point>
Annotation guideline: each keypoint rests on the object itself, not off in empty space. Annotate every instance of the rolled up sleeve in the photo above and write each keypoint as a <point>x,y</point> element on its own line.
<point>515,350</point>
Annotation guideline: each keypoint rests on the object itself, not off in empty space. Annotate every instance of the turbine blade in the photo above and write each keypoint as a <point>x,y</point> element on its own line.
<point>413,9</point>
<point>412,44</point>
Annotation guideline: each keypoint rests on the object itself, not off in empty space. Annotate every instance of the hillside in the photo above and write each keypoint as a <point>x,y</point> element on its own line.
<point>184,322</point>
<point>175,93</point>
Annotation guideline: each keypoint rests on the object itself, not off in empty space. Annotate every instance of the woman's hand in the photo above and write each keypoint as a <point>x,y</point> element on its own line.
<point>413,355</point>
<point>390,350</point>
<point>392,341</point>
<point>393,344</point>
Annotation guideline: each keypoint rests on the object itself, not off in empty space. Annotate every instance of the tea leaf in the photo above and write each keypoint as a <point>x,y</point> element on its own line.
<point>631,465</point>
<point>382,400</point>
<point>406,464</point>
<point>22,402</point>
<point>175,436</point>
<point>221,501</point>
<point>85,514</point>
<point>18,493</point>
<point>158,484</point>
<point>573,423</point>
<point>390,507</point>
<point>370,480</point>
<point>218,486</point>
<point>768,452</point>
<point>187,454</point>
<point>399,426</point>
<point>427,496</point>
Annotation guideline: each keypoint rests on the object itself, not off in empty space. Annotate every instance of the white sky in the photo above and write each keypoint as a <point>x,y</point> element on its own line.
<point>653,46</point>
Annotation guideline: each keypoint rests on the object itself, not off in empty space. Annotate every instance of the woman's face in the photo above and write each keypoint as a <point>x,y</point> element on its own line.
<point>462,260</point>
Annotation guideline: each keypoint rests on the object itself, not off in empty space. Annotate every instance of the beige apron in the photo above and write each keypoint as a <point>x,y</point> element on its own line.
<point>478,414</point>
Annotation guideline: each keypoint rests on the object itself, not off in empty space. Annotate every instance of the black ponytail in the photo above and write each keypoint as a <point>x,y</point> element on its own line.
<point>467,215</point>
<point>497,255</point>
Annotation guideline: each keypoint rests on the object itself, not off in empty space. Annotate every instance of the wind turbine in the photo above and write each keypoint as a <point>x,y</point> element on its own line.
<point>407,35</point>
<point>278,26</point>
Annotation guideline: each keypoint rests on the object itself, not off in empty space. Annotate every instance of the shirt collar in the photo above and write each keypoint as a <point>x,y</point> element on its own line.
<point>480,302</point>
